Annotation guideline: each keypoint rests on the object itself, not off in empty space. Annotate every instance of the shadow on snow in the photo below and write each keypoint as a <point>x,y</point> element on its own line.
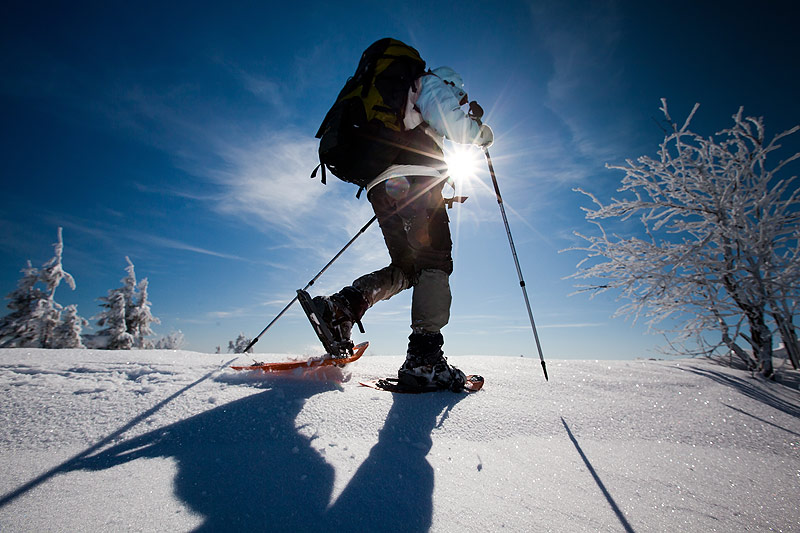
<point>69,464</point>
<point>245,466</point>
<point>610,499</point>
<point>774,394</point>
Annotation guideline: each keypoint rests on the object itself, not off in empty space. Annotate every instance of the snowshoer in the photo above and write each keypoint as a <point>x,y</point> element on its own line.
<point>407,199</point>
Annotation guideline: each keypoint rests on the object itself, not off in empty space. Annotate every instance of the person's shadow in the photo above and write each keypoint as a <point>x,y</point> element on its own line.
<point>245,466</point>
<point>393,489</point>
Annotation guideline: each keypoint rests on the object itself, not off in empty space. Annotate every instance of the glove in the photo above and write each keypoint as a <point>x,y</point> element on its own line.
<point>485,137</point>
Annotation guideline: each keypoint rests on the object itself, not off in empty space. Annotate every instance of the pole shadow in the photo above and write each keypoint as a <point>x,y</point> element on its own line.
<point>69,464</point>
<point>244,465</point>
<point>614,507</point>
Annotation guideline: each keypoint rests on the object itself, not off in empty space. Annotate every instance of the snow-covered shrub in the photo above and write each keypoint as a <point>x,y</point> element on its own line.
<point>239,345</point>
<point>173,341</point>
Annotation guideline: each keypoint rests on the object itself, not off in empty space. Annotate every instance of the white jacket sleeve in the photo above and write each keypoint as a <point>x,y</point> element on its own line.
<point>439,107</point>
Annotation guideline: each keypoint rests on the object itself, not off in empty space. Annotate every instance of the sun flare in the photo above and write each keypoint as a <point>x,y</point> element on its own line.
<point>463,163</point>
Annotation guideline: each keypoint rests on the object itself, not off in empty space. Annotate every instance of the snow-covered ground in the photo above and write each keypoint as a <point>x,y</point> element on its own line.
<point>175,441</point>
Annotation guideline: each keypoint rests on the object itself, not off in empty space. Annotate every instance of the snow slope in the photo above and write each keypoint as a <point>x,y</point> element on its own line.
<point>175,441</point>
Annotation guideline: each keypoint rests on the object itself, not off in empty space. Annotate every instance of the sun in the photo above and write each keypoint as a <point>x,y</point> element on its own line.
<point>463,162</point>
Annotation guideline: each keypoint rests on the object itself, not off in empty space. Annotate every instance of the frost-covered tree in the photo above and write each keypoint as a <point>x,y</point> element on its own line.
<point>68,333</point>
<point>718,250</point>
<point>126,309</point>
<point>51,274</point>
<point>49,314</point>
<point>139,317</point>
<point>239,345</point>
<point>114,334</point>
<point>36,315</point>
<point>787,302</point>
<point>21,327</point>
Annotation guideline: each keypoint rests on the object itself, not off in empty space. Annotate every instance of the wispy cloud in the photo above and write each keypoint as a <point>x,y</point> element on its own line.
<point>111,234</point>
<point>266,89</point>
<point>256,173</point>
<point>485,319</point>
<point>266,180</point>
<point>574,325</point>
<point>583,45</point>
<point>163,242</point>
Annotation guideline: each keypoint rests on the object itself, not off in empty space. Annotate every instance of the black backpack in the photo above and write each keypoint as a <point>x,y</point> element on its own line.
<point>363,132</point>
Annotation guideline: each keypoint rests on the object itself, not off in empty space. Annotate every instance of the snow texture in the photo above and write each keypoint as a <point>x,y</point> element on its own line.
<point>176,441</point>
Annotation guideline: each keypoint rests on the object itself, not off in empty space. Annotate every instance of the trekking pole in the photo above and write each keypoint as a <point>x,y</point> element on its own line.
<point>476,112</point>
<point>516,261</point>
<point>314,279</point>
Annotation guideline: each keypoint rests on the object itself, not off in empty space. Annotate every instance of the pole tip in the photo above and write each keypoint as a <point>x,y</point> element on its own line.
<point>544,368</point>
<point>249,346</point>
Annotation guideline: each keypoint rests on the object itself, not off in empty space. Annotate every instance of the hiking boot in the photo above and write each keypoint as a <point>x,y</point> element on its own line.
<point>339,312</point>
<point>426,367</point>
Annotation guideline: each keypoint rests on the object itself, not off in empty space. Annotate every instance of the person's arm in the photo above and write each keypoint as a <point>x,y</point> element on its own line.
<point>439,107</point>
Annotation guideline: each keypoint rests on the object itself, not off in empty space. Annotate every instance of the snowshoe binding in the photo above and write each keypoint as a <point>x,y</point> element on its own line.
<point>426,367</point>
<point>473,383</point>
<point>332,320</point>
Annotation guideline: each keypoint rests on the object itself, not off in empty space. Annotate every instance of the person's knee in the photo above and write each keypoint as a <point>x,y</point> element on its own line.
<point>430,261</point>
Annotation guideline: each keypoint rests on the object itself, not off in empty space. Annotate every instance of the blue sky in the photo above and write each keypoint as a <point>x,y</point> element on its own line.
<point>181,135</point>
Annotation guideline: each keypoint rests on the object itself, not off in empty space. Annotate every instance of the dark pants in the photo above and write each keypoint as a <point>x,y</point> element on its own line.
<point>416,229</point>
